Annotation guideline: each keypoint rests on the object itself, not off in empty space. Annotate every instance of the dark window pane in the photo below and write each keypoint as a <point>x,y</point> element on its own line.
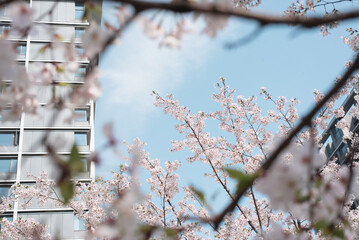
<point>337,134</point>
<point>79,10</point>
<point>355,122</point>
<point>343,150</point>
<point>79,32</point>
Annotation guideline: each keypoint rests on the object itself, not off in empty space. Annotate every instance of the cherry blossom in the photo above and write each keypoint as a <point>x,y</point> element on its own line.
<point>301,195</point>
<point>214,24</point>
<point>42,74</point>
<point>7,60</point>
<point>23,229</point>
<point>94,39</point>
<point>21,15</point>
<point>151,29</point>
<point>352,40</point>
<point>90,90</point>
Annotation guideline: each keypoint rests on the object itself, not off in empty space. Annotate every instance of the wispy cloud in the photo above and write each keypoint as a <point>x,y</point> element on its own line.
<point>132,70</point>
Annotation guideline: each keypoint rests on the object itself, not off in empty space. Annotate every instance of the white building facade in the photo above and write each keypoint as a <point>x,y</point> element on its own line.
<point>21,149</point>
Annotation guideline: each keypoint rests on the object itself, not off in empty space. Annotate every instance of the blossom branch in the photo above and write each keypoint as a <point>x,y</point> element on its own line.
<point>164,197</point>
<point>284,115</point>
<point>219,179</point>
<point>305,121</point>
<point>256,208</point>
<point>325,3</point>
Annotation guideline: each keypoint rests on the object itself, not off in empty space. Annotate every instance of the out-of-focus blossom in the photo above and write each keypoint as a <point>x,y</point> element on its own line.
<point>21,15</point>
<point>151,29</point>
<point>90,90</point>
<point>287,180</point>
<point>42,73</point>
<point>214,24</point>
<point>94,39</point>
<point>7,60</point>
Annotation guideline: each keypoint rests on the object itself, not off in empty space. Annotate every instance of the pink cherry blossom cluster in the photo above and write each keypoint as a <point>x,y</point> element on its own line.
<point>288,201</point>
<point>301,196</point>
<point>23,229</point>
<point>353,39</point>
<point>22,97</point>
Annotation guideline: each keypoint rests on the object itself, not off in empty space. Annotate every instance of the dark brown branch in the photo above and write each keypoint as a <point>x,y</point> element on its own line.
<point>306,120</point>
<point>256,208</point>
<point>216,9</point>
<point>261,17</point>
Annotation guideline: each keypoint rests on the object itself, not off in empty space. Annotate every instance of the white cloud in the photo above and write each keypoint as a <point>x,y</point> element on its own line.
<point>132,70</point>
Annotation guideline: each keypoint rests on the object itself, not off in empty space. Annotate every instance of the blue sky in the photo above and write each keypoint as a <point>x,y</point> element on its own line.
<point>288,61</point>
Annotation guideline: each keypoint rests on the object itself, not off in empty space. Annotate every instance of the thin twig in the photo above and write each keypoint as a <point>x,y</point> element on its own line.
<point>304,122</point>
<point>256,208</point>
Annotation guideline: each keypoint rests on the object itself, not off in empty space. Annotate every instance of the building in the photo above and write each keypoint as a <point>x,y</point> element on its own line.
<point>332,137</point>
<point>21,151</point>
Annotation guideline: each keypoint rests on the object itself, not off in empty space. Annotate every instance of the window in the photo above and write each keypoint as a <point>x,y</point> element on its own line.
<point>8,165</point>
<point>355,204</point>
<point>85,165</point>
<point>79,10</point>
<point>21,50</point>
<point>5,191</point>
<point>81,138</point>
<point>343,150</point>
<point>81,115</point>
<point>9,138</point>
<point>2,12</point>
<point>355,122</point>
<point>5,86</point>
<point>5,29</point>
<point>79,224</point>
<point>79,32</point>
<point>6,113</point>
<point>337,134</point>
<point>8,217</point>
<point>81,72</point>
<point>79,50</point>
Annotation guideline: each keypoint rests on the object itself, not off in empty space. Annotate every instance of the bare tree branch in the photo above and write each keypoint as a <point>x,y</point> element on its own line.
<point>261,17</point>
